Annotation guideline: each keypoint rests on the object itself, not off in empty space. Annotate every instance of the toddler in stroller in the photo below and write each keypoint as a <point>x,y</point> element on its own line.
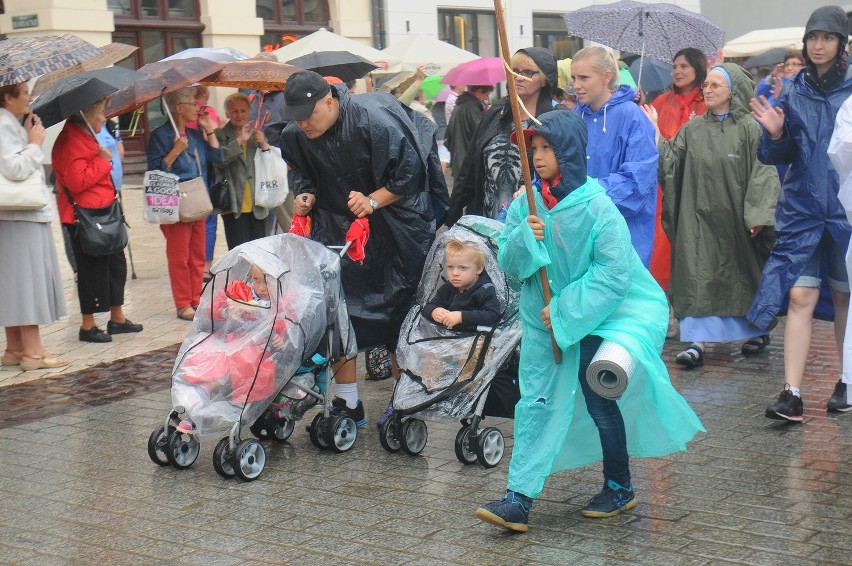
<point>450,355</point>
<point>271,305</point>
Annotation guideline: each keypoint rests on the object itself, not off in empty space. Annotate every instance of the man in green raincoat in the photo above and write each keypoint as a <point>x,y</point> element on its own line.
<point>601,291</point>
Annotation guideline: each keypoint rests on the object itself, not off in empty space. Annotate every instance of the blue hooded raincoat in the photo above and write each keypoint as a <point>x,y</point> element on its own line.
<point>622,156</point>
<point>599,287</point>
<point>808,208</point>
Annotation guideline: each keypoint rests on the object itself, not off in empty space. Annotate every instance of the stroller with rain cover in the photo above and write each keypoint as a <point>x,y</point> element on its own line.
<point>270,322</point>
<point>450,375</point>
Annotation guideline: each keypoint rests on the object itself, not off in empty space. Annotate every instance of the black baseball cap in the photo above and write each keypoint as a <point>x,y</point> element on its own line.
<point>301,94</point>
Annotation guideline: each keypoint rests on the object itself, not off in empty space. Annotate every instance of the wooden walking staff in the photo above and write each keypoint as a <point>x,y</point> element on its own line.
<point>522,149</point>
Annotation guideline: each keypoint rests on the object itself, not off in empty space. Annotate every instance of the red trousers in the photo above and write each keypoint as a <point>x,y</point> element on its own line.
<point>185,253</point>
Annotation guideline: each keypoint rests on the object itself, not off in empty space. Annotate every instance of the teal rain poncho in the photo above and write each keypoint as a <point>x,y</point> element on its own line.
<point>599,287</point>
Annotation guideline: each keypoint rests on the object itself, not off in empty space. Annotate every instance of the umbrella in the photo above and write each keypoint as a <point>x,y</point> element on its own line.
<point>69,97</point>
<point>341,64</point>
<point>442,96</point>
<point>485,71</point>
<point>431,86</point>
<point>324,40</point>
<point>161,77</point>
<point>767,58</point>
<point>657,31</point>
<point>22,59</point>
<point>656,75</point>
<point>253,74</point>
<point>110,54</point>
<point>119,77</point>
<point>760,40</point>
<point>218,54</point>
<point>437,56</point>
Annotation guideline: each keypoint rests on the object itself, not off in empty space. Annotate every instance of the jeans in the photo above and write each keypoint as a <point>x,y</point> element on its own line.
<point>607,417</point>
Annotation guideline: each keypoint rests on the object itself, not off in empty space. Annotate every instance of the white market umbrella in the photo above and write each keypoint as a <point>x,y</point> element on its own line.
<point>324,40</point>
<point>437,56</point>
<point>762,40</point>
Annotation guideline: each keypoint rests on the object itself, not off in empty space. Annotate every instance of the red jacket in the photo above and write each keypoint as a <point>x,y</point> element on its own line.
<point>81,170</point>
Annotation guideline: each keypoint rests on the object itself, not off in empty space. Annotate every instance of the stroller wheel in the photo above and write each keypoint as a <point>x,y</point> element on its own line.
<point>223,459</point>
<point>341,433</point>
<point>248,460</point>
<point>389,435</point>
<point>281,429</point>
<point>260,429</point>
<point>317,430</point>
<point>414,436</point>
<point>158,445</point>
<point>182,450</point>
<point>489,452</point>
<point>463,452</point>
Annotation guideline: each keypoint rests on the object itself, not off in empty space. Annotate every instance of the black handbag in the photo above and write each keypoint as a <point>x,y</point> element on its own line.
<point>100,231</point>
<point>220,195</point>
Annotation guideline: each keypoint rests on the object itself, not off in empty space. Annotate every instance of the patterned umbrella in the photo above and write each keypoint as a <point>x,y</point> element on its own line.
<point>22,59</point>
<point>161,77</point>
<point>254,74</point>
<point>654,30</point>
<point>110,54</point>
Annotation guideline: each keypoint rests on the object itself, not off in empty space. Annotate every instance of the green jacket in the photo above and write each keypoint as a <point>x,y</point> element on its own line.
<point>714,191</point>
<point>238,168</point>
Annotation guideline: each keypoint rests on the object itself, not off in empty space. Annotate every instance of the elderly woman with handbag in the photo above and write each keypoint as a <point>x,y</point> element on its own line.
<point>32,287</point>
<point>84,180</point>
<point>184,152</point>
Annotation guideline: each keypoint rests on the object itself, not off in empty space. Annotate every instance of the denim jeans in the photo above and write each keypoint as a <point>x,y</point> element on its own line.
<point>607,417</point>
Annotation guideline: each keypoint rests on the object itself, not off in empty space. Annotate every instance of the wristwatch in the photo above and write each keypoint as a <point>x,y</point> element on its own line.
<point>374,203</point>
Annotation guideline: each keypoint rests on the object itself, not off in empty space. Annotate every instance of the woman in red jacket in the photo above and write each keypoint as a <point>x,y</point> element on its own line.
<point>83,169</point>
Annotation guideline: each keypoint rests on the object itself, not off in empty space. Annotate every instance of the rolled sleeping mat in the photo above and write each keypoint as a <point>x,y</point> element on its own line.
<point>610,370</point>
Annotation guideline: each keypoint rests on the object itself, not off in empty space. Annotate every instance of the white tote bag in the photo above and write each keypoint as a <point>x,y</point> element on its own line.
<point>161,194</point>
<point>270,178</point>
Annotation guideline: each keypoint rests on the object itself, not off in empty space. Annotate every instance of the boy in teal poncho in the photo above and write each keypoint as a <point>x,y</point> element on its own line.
<point>600,291</point>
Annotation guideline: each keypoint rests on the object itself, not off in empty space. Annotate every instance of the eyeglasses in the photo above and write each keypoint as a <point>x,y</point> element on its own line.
<point>712,86</point>
<point>528,73</point>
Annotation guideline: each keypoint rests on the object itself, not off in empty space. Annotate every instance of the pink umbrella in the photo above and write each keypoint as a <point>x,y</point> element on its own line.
<point>484,71</point>
<point>442,96</point>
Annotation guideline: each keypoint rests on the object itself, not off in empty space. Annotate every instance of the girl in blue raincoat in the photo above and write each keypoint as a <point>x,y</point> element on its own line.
<point>622,153</point>
<point>810,224</point>
<point>601,291</point>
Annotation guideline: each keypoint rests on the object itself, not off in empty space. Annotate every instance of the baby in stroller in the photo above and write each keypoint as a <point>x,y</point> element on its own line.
<point>460,335</point>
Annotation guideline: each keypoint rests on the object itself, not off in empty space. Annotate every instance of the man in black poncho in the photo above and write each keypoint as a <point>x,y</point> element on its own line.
<point>365,156</point>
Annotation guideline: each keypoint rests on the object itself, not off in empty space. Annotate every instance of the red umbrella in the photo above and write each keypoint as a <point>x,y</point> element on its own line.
<point>162,77</point>
<point>484,71</point>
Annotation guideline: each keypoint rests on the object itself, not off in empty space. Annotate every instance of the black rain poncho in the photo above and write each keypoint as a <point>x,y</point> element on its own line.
<point>376,142</point>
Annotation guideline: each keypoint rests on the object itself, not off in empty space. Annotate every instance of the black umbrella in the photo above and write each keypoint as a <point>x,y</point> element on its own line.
<point>119,77</point>
<point>69,97</point>
<point>341,64</point>
<point>767,58</point>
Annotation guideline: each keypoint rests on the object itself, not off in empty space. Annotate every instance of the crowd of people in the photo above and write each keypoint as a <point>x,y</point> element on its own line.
<point>704,216</point>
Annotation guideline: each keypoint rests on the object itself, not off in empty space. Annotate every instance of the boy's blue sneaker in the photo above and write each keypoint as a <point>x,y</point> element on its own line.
<point>338,406</point>
<point>512,512</point>
<point>610,502</point>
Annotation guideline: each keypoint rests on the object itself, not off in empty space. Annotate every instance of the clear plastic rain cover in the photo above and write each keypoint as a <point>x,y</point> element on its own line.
<point>444,371</point>
<point>246,343</point>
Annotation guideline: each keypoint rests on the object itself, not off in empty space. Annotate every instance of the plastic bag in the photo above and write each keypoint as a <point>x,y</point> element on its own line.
<point>270,178</point>
<point>161,197</point>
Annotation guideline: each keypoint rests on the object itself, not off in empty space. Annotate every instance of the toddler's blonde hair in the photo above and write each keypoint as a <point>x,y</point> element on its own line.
<point>457,247</point>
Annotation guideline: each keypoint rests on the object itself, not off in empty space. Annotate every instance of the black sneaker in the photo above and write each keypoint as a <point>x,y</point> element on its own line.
<point>611,501</point>
<point>838,403</point>
<point>94,334</point>
<point>788,407</point>
<point>512,512</point>
<point>123,327</point>
<point>338,406</point>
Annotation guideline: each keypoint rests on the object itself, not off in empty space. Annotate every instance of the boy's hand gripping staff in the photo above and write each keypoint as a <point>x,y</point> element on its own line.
<point>522,148</point>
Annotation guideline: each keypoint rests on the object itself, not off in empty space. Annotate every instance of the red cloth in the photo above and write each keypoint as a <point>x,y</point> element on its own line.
<point>549,200</point>
<point>240,291</point>
<point>81,170</point>
<point>673,111</point>
<point>186,250</point>
<point>358,234</point>
<point>301,225</point>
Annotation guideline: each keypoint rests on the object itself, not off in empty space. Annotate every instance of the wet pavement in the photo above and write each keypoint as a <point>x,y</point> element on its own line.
<point>77,485</point>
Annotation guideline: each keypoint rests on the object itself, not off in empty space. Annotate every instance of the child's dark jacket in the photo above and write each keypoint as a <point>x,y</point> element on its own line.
<point>479,305</point>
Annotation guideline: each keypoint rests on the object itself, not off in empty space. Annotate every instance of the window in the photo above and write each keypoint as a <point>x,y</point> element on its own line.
<point>155,9</point>
<point>285,21</point>
<point>549,31</point>
<point>474,31</point>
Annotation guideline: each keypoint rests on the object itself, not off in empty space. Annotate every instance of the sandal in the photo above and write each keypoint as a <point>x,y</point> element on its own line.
<point>692,357</point>
<point>29,363</point>
<point>755,345</point>
<point>11,358</point>
<point>186,313</point>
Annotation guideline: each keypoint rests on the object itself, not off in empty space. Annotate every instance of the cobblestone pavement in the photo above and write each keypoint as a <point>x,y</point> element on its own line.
<point>77,485</point>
